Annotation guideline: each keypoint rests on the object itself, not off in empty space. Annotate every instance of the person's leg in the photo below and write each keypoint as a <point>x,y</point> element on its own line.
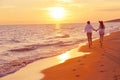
<point>101,39</point>
<point>89,39</point>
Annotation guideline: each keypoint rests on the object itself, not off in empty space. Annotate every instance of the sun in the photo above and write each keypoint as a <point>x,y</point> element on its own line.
<point>57,12</point>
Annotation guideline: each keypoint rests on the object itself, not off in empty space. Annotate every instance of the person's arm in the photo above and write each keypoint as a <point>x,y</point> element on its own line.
<point>97,29</point>
<point>94,29</point>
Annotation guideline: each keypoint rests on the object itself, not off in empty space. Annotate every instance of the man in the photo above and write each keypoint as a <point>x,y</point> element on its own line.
<point>88,30</point>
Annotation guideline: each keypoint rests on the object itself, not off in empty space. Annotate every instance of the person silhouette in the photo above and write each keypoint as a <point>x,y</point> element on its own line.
<point>88,29</point>
<point>101,31</point>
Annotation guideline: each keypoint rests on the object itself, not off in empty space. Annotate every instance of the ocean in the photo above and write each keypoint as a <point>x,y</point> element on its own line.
<point>23,44</point>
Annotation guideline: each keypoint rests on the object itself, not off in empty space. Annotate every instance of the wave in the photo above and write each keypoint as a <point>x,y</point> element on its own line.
<point>44,45</point>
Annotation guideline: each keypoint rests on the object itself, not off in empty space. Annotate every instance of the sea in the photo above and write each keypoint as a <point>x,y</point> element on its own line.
<point>23,44</point>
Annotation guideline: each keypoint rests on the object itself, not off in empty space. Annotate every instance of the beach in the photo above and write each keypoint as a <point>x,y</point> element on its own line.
<point>101,63</point>
<point>59,40</point>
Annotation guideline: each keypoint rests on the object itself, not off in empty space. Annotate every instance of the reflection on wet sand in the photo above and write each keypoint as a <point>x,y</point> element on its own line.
<point>70,54</point>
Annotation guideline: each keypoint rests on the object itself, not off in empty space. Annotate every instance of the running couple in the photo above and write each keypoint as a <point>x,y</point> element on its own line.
<point>89,28</point>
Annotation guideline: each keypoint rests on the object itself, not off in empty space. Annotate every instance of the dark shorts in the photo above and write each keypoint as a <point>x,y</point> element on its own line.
<point>89,35</point>
<point>101,32</point>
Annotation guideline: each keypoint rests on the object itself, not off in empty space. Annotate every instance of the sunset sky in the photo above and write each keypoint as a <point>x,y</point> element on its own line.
<point>38,11</point>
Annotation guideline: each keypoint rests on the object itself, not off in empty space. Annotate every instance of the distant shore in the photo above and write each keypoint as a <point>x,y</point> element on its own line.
<point>114,20</point>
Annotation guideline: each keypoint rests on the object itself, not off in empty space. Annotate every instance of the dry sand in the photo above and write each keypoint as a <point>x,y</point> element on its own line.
<point>101,64</point>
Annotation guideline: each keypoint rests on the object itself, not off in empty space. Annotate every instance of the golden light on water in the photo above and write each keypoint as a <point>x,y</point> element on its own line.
<point>57,12</point>
<point>64,57</point>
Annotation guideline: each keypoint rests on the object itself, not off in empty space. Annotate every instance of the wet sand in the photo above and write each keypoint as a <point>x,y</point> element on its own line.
<point>94,63</point>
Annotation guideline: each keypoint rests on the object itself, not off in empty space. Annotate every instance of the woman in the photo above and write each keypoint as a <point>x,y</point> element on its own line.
<point>88,30</point>
<point>101,31</point>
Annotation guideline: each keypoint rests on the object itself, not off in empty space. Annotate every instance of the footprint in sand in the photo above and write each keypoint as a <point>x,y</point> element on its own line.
<point>77,75</point>
<point>102,55</point>
<point>101,65</point>
<point>102,71</point>
<point>82,64</point>
<point>114,71</point>
<point>74,69</point>
<point>115,78</point>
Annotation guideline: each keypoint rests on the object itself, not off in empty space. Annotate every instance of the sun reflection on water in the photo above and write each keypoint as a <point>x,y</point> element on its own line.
<point>64,57</point>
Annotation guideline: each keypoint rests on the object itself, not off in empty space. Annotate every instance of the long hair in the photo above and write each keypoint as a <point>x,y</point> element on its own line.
<point>101,25</point>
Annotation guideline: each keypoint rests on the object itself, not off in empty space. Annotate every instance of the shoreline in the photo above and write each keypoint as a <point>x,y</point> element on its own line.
<point>17,74</point>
